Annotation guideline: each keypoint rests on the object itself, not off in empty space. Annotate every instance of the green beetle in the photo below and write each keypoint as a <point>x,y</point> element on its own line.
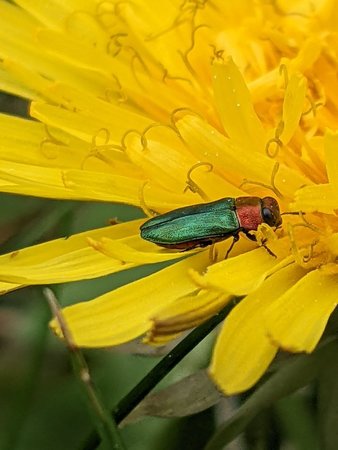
<point>204,224</point>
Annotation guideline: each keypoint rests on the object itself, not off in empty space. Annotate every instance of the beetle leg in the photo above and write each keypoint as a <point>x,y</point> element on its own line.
<point>253,238</point>
<point>234,240</point>
<point>267,248</point>
<point>205,243</point>
<point>187,249</point>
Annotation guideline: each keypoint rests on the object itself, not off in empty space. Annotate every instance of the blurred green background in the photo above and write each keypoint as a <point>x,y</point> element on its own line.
<point>42,404</point>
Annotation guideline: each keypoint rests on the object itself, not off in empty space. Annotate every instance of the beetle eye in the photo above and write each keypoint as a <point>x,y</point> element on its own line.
<point>268,217</point>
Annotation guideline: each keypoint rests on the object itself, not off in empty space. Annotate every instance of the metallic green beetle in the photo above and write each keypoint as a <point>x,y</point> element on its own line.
<point>204,224</point>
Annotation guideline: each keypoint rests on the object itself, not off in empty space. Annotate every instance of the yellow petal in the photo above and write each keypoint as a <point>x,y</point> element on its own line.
<point>8,287</point>
<point>27,179</point>
<point>10,84</point>
<point>244,273</point>
<point>126,313</point>
<point>307,56</point>
<point>208,144</point>
<point>186,313</point>
<point>18,32</point>
<point>116,188</point>
<point>116,117</point>
<point>172,165</point>
<point>36,10</point>
<point>79,184</point>
<point>66,259</point>
<point>27,142</point>
<point>103,186</point>
<point>73,51</point>
<point>331,155</point>
<point>234,105</point>
<point>333,244</point>
<point>319,197</point>
<point>82,184</point>
<point>293,106</point>
<point>297,319</point>
<point>54,13</point>
<point>136,250</point>
<point>243,351</point>
<point>23,76</point>
<point>12,17</point>
<point>85,124</point>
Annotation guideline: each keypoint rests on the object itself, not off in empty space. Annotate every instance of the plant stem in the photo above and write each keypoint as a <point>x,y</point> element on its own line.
<point>106,425</point>
<point>137,394</point>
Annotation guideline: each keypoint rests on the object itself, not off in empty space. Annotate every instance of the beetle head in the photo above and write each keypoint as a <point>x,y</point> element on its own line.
<point>270,212</point>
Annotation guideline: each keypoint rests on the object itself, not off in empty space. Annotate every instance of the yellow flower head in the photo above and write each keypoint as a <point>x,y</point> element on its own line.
<point>168,104</point>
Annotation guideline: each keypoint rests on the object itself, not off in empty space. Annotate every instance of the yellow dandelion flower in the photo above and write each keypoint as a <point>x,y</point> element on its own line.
<point>163,105</point>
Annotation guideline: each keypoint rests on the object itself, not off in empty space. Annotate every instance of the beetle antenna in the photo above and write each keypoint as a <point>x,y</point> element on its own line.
<point>234,240</point>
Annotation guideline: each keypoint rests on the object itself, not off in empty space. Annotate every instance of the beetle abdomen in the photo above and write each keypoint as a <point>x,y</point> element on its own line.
<point>192,224</point>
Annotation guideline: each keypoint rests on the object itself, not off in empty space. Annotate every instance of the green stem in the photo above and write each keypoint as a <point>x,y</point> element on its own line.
<point>147,384</point>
